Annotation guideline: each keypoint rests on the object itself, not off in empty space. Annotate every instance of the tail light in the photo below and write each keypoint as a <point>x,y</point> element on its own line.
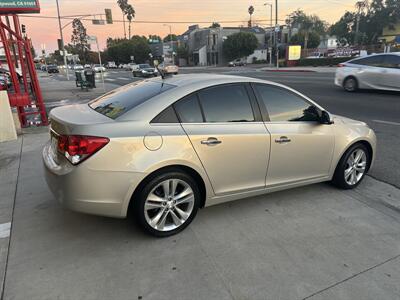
<point>77,148</point>
<point>341,65</point>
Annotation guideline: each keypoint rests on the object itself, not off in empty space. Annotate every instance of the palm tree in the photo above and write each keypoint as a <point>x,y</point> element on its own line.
<point>123,5</point>
<point>130,14</point>
<point>360,6</point>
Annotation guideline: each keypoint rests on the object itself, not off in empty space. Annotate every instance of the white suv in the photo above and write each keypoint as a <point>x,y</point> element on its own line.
<point>377,71</point>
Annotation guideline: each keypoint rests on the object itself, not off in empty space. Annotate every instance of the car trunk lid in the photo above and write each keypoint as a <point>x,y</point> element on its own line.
<point>71,119</point>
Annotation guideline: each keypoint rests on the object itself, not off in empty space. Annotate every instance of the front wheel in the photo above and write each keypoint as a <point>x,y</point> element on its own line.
<point>352,167</point>
<point>167,204</point>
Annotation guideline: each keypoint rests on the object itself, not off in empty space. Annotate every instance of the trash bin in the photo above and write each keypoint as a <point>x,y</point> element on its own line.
<point>79,79</point>
<point>90,78</point>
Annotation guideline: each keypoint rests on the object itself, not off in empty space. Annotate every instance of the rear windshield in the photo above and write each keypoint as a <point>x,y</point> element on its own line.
<point>117,102</point>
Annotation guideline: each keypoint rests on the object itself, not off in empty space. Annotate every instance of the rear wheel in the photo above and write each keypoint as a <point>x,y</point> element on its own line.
<point>350,84</point>
<point>352,167</point>
<point>167,204</point>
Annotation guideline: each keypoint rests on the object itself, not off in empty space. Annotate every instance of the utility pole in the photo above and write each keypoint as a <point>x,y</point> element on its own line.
<point>62,40</point>
<point>270,34</point>
<point>276,34</point>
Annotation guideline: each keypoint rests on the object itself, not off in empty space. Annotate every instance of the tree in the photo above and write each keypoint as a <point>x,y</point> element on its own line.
<point>79,41</point>
<point>306,25</point>
<point>130,14</point>
<point>371,20</point>
<point>312,42</point>
<point>123,5</point>
<point>170,37</point>
<point>121,50</point>
<point>239,45</point>
<point>215,25</point>
<point>154,37</point>
<point>182,52</point>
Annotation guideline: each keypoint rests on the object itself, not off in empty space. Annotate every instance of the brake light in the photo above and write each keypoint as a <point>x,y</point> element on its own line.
<point>77,148</point>
<point>341,65</point>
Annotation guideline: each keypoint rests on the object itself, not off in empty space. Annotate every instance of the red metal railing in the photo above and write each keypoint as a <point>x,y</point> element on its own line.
<point>25,93</point>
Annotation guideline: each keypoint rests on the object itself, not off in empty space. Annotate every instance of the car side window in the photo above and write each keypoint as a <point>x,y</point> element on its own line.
<point>284,105</point>
<point>391,61</point>
<point>168,115</point>
<point>188,109</point>
<point>226,103</point>
<point>372,61</point>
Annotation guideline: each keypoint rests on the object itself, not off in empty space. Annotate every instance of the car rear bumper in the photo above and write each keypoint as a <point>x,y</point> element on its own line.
<point>85,190</point>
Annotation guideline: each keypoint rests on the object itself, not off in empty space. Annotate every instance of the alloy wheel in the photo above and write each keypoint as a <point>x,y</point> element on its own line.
<point>169,205</point>
<point>355,166</point>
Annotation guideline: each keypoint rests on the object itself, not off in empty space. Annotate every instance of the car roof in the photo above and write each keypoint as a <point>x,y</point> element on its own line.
<point>206,79</point>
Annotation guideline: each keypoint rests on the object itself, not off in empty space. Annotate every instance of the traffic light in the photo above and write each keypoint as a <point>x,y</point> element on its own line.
<point>23,29</point>
<point>109,19</point>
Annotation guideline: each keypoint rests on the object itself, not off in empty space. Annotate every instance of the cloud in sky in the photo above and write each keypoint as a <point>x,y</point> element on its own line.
<point>45,31</point>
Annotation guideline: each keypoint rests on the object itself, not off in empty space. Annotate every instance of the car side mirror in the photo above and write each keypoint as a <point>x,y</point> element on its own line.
<point>326,118</point>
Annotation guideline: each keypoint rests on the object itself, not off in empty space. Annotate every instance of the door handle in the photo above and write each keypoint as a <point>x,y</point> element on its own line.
<point>211,141</point>
<point>282,140</point>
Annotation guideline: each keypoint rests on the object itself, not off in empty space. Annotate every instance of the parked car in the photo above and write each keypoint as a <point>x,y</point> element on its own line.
<point>144,70</point>
<point>168,68</point>
<point>98,68</point>
<point>87,66</point>
<point>52,69</point>
<point>3,84</point>
<point>111,65</point>
<point>237,62</point>
<point>78,67</point>
<point>160,149</point>
<point>378,71</point>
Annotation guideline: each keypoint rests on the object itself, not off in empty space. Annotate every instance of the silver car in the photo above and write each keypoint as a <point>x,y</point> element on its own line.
<point>159,149</point>
<point>378,71</point>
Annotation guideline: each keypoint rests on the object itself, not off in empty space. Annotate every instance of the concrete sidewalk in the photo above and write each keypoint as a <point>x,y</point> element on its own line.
<point>314,242</point>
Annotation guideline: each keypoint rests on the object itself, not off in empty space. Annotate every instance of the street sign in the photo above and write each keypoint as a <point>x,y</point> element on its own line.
<point>294,52</point>
<point>91,39</point>
<point>132,58</point>
<point>19,7</point>
<point>109,18</point>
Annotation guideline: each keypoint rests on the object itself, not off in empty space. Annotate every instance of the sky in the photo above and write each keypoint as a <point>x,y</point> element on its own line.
<point>45,32</point>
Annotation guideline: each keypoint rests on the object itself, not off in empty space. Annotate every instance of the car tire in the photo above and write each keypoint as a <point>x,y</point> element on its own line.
<point>350,84</point>
<point>162,214</point>
<point>348,165</point>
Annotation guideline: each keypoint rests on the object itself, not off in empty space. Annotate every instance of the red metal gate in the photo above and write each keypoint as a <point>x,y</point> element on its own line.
<point>25,93</point>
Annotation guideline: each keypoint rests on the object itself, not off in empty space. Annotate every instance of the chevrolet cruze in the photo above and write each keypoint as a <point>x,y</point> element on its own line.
<point>160,149</point>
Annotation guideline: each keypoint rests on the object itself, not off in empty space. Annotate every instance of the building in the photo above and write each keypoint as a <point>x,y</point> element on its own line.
<point>391,37</point>
<point>205,44</point>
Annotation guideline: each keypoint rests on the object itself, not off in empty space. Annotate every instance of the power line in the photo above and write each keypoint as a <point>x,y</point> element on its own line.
<point>152,22</point>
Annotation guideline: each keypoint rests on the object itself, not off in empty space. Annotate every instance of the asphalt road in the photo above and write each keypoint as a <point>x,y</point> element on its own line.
<point>380,110</point>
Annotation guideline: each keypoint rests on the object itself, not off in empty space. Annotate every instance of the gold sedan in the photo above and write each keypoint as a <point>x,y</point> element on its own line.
<point>160,149</point>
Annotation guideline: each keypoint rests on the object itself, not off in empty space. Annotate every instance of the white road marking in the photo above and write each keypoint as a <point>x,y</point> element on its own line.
<point>110,79</point>
<point>123,78</point>
<point>5,230</point>
<point>387,122</point>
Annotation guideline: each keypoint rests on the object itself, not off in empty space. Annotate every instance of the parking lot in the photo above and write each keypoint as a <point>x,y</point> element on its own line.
<point>314,242</point>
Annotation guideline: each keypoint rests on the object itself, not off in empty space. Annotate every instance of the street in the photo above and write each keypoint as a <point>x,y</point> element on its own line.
<point>380,110</point>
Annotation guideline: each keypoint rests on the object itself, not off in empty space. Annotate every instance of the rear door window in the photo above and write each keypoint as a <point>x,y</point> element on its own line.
<point>391,61</point>
<point>226,103</point>
<point>117,102</point>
